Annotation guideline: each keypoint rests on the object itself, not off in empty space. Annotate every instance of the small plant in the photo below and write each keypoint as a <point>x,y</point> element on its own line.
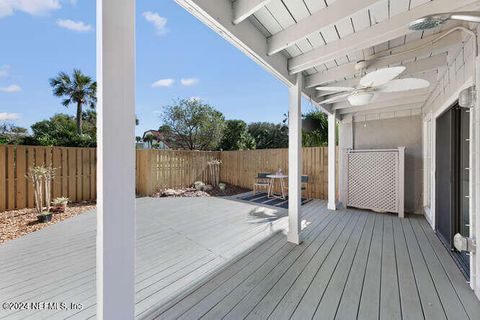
<point>44,217</point>
<point>222,186</point>
<point>59,205</point>
<point>199,185</point>
<point>214,166</point>
<point>41,178</point>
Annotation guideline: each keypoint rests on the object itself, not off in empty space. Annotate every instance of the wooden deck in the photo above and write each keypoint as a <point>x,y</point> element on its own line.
<point>213,258</point>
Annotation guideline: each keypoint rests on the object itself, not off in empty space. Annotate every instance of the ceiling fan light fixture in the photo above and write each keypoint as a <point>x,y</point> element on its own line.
<point>360,98</point>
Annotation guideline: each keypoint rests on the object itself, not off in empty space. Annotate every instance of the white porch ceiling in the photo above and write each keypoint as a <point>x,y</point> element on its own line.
<point>324,38</point>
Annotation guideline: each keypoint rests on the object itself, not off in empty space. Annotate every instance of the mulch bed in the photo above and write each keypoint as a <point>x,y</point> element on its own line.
<point>16,223</point>
<point>230,190</point>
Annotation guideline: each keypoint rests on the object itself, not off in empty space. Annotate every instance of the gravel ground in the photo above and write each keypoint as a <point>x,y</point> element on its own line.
<point>230,190</point>
<point>16,223</point>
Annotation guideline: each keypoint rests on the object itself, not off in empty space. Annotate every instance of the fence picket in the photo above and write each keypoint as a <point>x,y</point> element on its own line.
<point>21,180</point>
<point>3,177</point>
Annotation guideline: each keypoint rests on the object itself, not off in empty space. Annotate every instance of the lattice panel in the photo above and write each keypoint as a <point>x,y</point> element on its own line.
<point>373,180</point>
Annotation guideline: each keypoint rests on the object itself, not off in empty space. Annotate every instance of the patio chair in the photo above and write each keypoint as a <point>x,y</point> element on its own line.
<point>304,182</point>
<point>261,181</point>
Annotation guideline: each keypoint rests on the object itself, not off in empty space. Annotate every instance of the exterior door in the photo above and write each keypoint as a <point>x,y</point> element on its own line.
<point>444,177</point>
<point>452,180</point>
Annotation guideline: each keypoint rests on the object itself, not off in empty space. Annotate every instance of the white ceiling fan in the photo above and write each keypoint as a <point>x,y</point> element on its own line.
<point>379,81</point>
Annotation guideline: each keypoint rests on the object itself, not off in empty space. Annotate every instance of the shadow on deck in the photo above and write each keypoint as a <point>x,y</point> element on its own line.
<point>352,264</point>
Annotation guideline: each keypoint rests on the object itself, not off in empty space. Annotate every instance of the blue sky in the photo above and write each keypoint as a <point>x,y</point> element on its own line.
<point>177,57</point>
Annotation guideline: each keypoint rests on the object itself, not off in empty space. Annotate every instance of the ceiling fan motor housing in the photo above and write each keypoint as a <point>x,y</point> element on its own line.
<point>361,65</point>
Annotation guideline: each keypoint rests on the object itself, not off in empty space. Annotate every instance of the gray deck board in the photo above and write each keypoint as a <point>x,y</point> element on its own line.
<point>452,305</point>
<point>409,297</point>
<point>348,306</point>
<point>313,295</point>
<point>370,299</point>
<point>286,271</point>
<point>431,305</point>
<point>389,293</point>
<point>327,307</point>
<point>470,303</point>
<point>213,258</point>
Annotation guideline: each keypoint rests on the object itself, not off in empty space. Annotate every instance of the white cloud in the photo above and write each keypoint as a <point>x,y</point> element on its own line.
<point>163,83</point>
<point>78,26</point>
<point>11,88</point>
<point>159,22</point>
<point>33,7</point>
<point>189,81</point>
<point>4,70</point>
<point>5,116</point>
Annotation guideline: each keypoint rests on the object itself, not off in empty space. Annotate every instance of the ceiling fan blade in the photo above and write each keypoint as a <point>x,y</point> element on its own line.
<point>336,98</point>
<point>403,85</point>
<point>381,76</point>
<point>336,89</point>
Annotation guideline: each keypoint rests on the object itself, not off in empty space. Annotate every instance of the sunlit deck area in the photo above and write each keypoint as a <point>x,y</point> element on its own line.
<point>214,258</point>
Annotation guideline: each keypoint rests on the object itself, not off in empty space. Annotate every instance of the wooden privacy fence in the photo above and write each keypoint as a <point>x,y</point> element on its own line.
<point>75,173</point>
<point>240,167</point>
<point>160,169</point>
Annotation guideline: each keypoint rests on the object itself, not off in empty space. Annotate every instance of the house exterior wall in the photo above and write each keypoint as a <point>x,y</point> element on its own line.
<point>461,72</point>
<point>388,134</point>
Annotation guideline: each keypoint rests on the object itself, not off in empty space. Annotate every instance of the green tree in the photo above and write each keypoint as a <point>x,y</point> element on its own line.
<point>190,124</point>
<point>317,136</point>
<point>269,135</point>
<point>149,139</point>
<point>11,134</point>
<point>61,130</point>
<point>79,89</point>
<point>236,136</point>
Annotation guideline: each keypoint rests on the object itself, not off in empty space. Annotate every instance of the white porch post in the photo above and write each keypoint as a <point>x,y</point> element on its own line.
<point>295,161</point>
<point>331,162</point>
<point>116,159</point>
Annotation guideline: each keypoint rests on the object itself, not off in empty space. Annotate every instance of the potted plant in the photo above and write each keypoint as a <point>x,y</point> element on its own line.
<point>59,205</point>
<point>45,216</point>
<point>41,178</point>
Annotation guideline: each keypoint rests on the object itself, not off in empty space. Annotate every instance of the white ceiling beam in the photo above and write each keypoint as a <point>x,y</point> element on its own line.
<point>361,116</point>
<point>384,31</point>
<point>382,113</point>
<point>398,54</point>
<point>383,102</point>
<point>341,72</point>
<point>242,9</point>
<point>336,11</point>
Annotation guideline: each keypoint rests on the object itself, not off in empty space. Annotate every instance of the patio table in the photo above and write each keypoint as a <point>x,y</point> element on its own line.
<point>281,178</point>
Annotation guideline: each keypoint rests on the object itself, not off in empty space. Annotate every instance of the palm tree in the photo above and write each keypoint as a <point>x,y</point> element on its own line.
<point>149,138</point>
<point>80,89</point>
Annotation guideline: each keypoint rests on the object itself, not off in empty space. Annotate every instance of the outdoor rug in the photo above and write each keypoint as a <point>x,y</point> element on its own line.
<point>262,198</point>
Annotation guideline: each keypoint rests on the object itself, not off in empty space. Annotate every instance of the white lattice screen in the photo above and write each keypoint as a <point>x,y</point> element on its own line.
<point>375,179</point>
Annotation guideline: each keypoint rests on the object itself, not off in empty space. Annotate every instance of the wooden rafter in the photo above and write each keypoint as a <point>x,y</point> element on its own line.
<point>376,34</point>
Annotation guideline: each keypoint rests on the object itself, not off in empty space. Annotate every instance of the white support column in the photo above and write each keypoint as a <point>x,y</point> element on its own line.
<point>116,159</point>
<point>331,162</point>
<point>295,161</point>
